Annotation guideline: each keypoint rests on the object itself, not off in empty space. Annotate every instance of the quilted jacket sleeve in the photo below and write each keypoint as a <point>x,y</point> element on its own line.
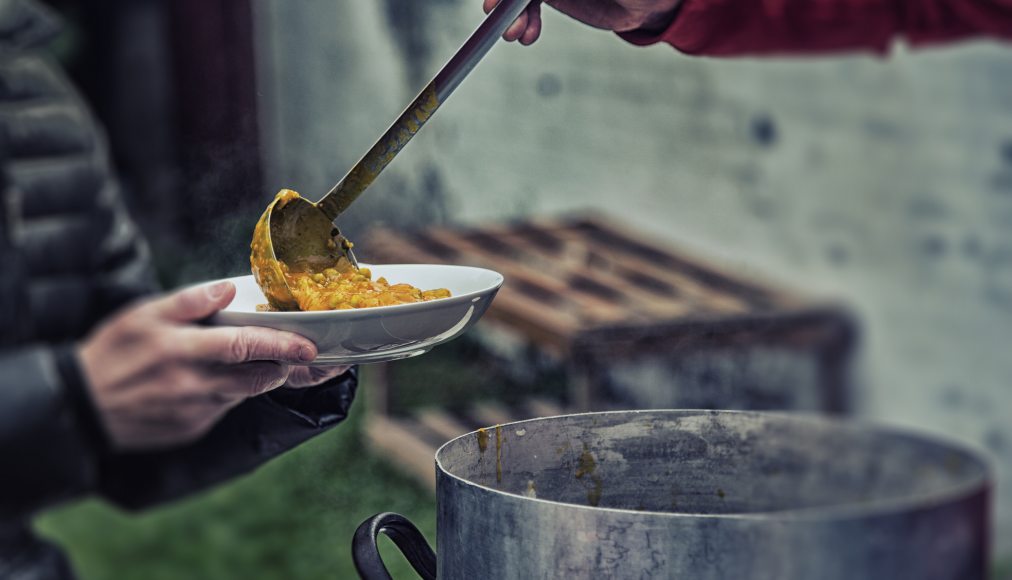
<point>71,255</point>
<point>43,457</point>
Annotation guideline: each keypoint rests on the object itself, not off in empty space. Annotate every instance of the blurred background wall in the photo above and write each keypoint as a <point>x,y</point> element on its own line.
<point>884,182</point>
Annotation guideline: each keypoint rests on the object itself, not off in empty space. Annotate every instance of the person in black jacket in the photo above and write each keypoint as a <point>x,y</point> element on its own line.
<point>105,387</point>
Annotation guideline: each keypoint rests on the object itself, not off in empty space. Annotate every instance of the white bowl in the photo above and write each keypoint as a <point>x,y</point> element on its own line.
<point>385,333</point>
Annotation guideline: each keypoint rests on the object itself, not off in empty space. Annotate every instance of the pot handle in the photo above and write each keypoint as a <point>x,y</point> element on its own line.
<point>404,534</point>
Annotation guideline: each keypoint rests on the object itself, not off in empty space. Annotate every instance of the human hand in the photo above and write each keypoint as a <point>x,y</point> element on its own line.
<point>615,15</point>
<point>158,379</point>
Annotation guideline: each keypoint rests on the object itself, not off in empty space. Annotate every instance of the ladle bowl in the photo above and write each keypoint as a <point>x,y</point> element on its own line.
<point>293,230</point>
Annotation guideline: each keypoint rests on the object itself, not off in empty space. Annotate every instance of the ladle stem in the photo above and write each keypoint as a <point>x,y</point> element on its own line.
<point>421,109</point>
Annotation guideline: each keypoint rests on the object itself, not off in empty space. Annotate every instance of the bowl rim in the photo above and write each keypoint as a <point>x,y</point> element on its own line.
<point>498,280</point>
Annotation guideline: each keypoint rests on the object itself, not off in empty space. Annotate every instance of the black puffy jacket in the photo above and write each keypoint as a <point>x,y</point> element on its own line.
<point>70,256</point>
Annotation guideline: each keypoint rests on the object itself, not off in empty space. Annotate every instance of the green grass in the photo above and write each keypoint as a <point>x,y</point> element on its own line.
<point>293,518</point>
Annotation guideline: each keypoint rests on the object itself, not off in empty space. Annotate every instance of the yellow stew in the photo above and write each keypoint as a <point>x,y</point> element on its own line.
<point>331,289</point>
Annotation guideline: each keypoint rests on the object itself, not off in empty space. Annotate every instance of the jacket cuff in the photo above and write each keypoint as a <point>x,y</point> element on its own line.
<point>642,37</point>
<point>79,400</point>
<point>248,436</point>
<point>43,458</point>
<point>322,406</point>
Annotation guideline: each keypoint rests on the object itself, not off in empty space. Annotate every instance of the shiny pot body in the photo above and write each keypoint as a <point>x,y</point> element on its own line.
<point>709,495</point>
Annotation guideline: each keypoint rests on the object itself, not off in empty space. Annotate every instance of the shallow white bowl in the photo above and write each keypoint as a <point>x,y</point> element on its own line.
<point>385,333</point>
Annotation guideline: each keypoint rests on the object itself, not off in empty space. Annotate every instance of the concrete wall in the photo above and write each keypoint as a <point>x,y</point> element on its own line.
<point>887,183</point>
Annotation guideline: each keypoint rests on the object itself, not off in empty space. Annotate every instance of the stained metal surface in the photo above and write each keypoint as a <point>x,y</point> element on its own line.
<point>709,495</point>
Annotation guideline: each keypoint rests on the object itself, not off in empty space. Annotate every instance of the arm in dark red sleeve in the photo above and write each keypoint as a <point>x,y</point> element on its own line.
<point>754,27</point>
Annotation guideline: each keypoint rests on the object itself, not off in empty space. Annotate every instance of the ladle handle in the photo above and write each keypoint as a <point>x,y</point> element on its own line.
<point>365,550</point>
<point>421,109</point>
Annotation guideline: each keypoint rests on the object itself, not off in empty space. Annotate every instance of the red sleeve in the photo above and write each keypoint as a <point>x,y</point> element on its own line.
<point>750,27</point>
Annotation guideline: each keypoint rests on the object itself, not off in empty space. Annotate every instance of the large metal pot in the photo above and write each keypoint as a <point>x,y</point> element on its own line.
<point>700,495</point>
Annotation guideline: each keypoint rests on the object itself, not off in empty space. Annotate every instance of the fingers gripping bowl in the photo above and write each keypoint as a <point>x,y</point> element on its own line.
<point>382,333</point>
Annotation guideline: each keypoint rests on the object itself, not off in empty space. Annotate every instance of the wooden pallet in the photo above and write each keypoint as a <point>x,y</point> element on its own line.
<point>566,277</point>
<point>586,289</point>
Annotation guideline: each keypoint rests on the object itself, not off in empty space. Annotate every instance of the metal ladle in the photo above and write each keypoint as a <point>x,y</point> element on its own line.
<point>298,232</point>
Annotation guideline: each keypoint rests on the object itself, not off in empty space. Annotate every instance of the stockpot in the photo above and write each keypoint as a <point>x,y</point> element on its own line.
<point>698,495</point>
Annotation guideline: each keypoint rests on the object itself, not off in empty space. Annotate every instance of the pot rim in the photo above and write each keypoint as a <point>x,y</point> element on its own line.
<point>976,485</point>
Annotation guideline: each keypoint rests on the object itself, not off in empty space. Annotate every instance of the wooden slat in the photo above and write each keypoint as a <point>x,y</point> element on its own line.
<point>548,326</point>
<point>573,231</point>
<point>398,439</point>
<point>698,295</point>
<point>441,422</point>
<point>488,413</point>
<point>411,443</point>
<point>709,273</point>
<point>389,246</point>
<point>539,407</point>
<point>641,302</point>
<point>589,307</point>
